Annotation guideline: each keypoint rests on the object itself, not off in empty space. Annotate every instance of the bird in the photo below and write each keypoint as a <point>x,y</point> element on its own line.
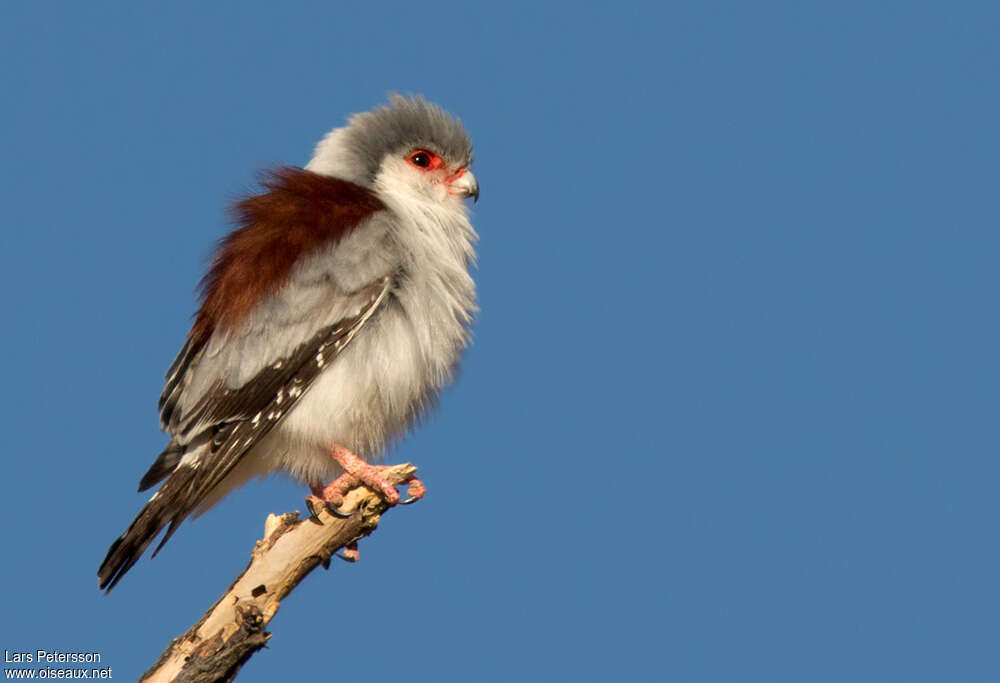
<point>330,319</point>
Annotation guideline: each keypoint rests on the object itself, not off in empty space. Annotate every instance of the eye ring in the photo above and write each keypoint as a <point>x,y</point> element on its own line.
<point>425,160</point>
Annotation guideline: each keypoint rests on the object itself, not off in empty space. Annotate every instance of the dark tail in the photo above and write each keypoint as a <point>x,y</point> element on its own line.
<point>171,505</point>
<point>192,473</point>
<point>163,466</point>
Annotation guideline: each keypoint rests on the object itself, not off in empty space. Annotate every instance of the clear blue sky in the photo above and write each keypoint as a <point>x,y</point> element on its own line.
<point>731,410</point>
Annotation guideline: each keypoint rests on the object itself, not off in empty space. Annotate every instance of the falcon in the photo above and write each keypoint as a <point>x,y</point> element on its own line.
<point>330,319</point>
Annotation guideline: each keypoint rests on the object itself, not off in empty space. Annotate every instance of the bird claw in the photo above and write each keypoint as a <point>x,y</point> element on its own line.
<point>331,507</point>
<point>358,473</point>
<point>416,491</point>
<point>313,515</point>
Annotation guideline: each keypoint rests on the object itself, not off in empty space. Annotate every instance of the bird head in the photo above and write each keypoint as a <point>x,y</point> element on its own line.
<point>409,148</point>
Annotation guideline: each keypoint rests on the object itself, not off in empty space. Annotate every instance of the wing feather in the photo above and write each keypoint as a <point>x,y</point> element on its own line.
<point>229,423</point>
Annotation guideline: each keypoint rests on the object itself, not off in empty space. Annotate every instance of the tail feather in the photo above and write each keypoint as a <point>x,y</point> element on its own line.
<point>163,466</point>
<point>170,506</point>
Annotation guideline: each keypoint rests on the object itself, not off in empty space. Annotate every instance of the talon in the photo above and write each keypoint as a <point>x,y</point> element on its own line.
<point>359,473</point>
<point>331,507</point>
<point>313,515</point>
<point>416,491</point>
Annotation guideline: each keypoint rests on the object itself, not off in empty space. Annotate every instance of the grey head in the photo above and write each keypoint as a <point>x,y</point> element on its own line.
<point>357,151</point>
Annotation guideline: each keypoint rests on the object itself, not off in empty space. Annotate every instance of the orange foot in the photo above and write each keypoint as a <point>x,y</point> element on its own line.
<point>359,473</point>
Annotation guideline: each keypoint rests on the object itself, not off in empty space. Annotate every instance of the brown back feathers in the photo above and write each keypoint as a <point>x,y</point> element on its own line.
<point>300,212</point>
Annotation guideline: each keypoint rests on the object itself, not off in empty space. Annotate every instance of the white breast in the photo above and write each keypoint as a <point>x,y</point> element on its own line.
<point>394,368</point>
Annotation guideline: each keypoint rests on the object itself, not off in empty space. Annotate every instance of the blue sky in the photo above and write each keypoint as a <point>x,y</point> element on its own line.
<point>730,413</point>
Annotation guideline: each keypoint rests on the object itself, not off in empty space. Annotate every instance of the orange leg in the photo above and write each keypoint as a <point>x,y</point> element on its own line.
<point>359,473</point>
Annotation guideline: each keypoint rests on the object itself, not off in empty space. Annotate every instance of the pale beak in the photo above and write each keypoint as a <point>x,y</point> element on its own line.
<point>464,183</point>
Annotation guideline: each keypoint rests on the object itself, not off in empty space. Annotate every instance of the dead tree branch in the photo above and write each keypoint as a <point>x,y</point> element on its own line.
<point>227,635</point>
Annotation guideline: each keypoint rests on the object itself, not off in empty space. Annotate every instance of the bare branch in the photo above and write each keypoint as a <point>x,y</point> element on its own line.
<point>227,635</point>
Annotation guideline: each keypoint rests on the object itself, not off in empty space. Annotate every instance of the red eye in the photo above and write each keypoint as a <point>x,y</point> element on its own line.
<point>421,158</point>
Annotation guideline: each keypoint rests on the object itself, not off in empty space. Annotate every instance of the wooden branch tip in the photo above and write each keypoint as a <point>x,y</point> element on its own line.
<point>232,630</point>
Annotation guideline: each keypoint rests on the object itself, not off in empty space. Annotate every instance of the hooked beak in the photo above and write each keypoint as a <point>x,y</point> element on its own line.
<point>464,184</point>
